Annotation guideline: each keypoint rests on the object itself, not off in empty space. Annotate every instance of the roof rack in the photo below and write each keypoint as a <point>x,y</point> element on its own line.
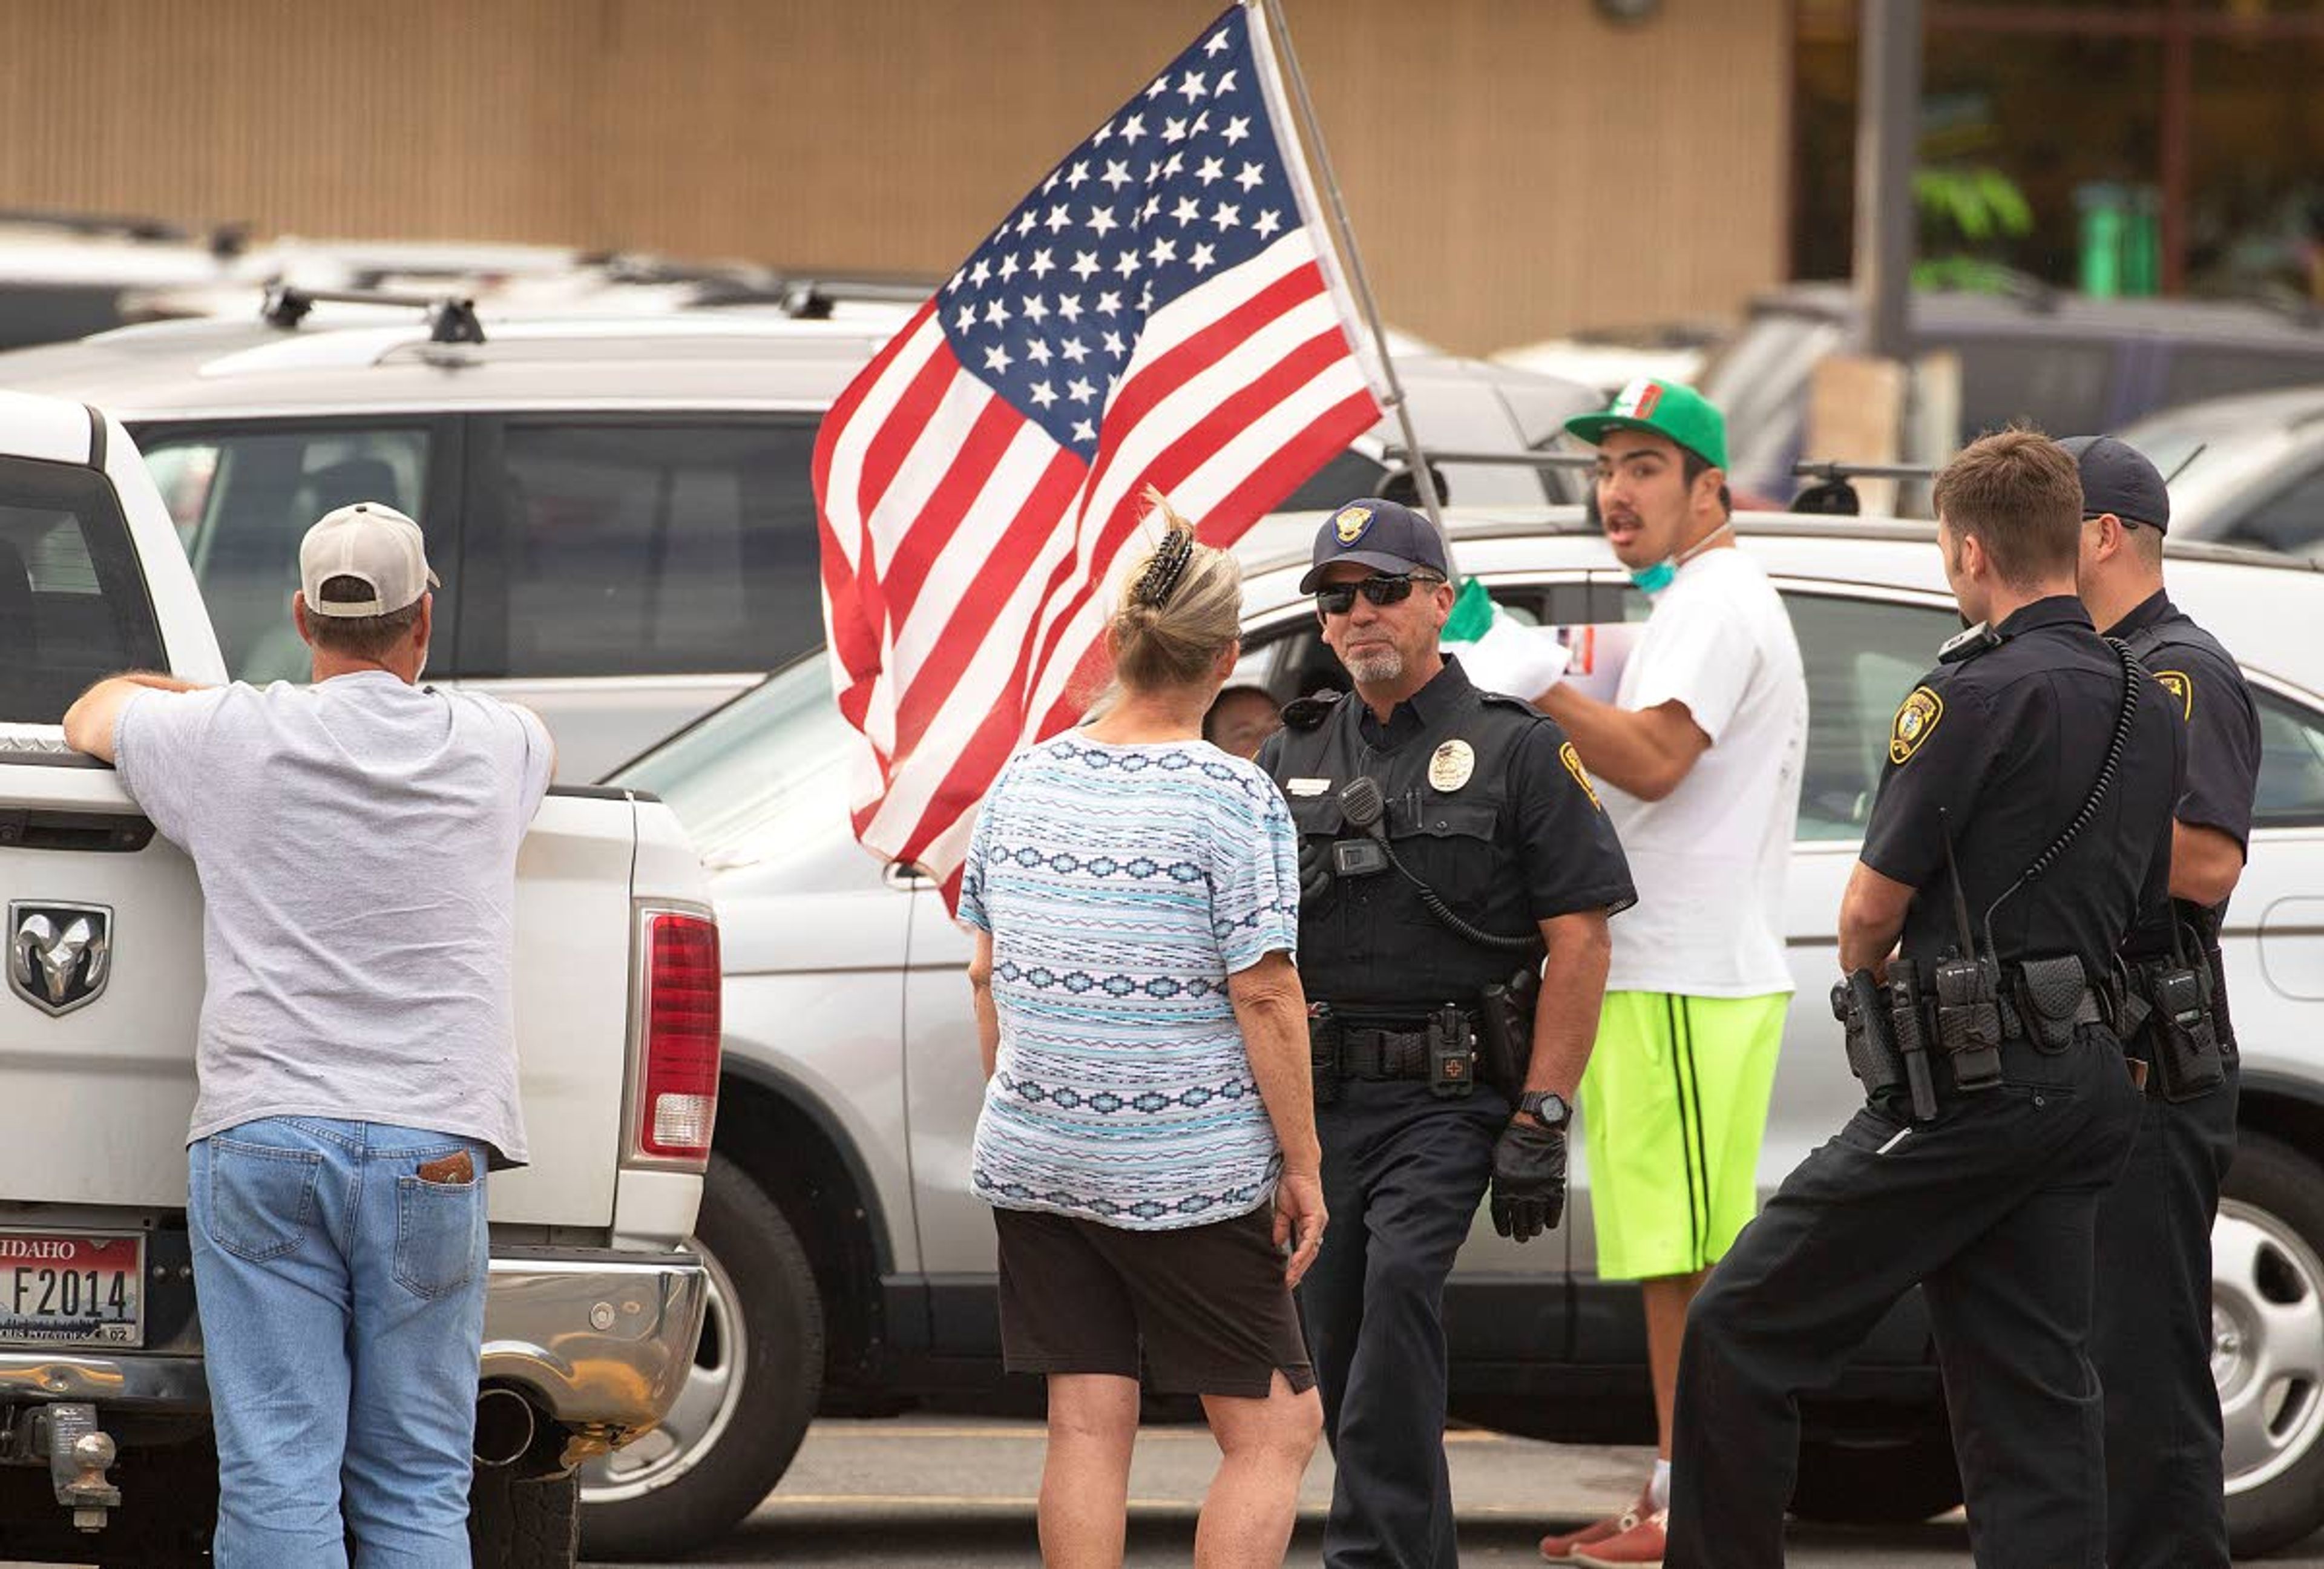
<point>450,318</point>
<point>1515,459</point>
<point>1833,494</point>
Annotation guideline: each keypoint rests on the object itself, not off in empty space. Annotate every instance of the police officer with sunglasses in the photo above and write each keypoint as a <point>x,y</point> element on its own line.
<point>1457,873</point>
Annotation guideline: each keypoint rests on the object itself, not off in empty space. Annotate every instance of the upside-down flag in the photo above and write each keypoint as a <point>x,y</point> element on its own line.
<point>1164,307</point>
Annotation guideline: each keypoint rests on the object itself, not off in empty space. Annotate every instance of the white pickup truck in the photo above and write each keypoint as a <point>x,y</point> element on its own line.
<point>594,1311</point>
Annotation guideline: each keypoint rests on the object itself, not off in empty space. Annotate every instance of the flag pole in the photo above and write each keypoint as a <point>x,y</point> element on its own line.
<point>1337,215</point>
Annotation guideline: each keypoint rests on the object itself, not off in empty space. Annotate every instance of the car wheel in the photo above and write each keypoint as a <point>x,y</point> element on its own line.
<point>1877,1479</point>
<point>688,1482</point>
<point>2268,1342</point>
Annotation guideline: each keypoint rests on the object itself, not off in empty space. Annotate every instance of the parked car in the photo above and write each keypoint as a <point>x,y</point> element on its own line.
<point>2245,470</point>
<point>591,1312</point>
<point>622,506</point>
<point>504,280</point>
<point>1609,358</point>
<point>65,275</point>
<point>851,1266</point>
<point>2069,364</point>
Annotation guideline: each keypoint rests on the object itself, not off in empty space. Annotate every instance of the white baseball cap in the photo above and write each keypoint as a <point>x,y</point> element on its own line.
<point>374,544</point>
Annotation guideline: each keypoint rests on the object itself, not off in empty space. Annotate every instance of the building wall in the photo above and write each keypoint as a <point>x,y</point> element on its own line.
<point>1513,166</point>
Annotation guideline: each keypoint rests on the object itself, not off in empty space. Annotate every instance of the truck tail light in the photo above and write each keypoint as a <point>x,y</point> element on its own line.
<point>677,1095</point>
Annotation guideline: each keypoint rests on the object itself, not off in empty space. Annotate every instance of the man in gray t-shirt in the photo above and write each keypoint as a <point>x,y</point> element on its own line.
<point>357,844</point>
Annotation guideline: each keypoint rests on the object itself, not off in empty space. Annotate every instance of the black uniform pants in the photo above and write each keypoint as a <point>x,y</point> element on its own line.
<point>1403,1172</point>
<point>1991,1209</point>
<point>2151,1338</point>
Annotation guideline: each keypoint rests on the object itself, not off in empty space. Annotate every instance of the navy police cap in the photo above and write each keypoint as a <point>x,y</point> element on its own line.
<point>2118,478</point>
<point>1384,535</point>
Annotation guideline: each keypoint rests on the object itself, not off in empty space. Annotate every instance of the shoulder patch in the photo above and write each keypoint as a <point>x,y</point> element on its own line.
<point>1573,762</point>
<point>1915,722</point>
<point>2178,684</point>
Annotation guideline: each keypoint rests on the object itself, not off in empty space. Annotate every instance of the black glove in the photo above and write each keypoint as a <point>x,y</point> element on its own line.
<point>1314,868</point>
<point>1528,1179</point>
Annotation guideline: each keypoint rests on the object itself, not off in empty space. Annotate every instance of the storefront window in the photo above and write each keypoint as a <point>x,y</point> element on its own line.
<point>2111,146</point>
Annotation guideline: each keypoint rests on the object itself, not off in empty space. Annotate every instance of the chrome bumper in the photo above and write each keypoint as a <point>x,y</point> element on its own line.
<point>602,1340</point>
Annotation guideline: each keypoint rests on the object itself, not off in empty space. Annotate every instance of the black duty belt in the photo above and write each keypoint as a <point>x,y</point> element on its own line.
<point>2018,1051</point>
<point>1384,1054</point>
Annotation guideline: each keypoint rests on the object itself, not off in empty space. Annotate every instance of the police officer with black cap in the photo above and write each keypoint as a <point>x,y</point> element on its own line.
<point>1449,843</point>
<point>2166,1506</point>
<point>2022,829</point>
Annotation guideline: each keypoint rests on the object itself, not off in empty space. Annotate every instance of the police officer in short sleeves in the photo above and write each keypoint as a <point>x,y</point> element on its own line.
<point>2166,1505</point>
<point>1990,1204</point>
<point>1470,850</point>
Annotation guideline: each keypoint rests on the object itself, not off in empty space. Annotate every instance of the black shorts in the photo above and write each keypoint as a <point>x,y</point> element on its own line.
<point>1207,1303</point>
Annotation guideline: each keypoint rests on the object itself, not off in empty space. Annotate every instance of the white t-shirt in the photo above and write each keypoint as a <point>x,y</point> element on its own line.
<point>1708,859</point>
<point>357,842</point>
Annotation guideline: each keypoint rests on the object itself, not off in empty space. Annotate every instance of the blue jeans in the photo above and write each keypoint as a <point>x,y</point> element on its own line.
<point>342,1302</point>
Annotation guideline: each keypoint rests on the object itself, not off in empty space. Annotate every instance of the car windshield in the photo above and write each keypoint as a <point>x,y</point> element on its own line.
<point>1758,381</point>
<point>734,773</point>
<point>2176,450</point>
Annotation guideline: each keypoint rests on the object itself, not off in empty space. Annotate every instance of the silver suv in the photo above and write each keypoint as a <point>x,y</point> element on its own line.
<point>622,506</point>
<point>853,1269</point>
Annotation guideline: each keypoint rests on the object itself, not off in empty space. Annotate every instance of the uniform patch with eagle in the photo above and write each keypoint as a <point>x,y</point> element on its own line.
<point>1573,762</point>
<point>2176,683</point>
<point>1916,721</point>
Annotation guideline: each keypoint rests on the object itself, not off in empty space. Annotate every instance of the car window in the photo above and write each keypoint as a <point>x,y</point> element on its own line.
<point>656,549</point>
<point>2291,762</point>
<point>242,499</point>
<point>2056,384</point>
<point>763,784</point>
<point>1860,658</point>
<point>2291,520</point>
<point>1350,474</point>
<point>2193,374</point>
<point>73,605</point>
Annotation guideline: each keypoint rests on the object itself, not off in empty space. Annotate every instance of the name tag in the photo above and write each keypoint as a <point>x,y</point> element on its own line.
<point>1306,787</point>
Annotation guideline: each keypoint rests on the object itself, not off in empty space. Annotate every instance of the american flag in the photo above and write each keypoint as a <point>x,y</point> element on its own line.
<point>1164,307</point>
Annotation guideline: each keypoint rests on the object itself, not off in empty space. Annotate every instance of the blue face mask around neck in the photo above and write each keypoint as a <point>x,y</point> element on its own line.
<point>1651,580</point>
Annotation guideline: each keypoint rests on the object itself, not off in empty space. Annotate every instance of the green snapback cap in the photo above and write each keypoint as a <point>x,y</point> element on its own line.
<point>1669,410</point>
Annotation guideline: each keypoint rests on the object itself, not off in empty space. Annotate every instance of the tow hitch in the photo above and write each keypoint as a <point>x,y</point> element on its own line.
<point>65,1437</point>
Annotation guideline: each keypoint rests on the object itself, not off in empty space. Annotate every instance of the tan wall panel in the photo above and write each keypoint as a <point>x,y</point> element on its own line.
<point>1514,167</point>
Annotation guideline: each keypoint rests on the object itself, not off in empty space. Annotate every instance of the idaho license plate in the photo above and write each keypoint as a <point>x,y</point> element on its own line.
<point>66,1289</point>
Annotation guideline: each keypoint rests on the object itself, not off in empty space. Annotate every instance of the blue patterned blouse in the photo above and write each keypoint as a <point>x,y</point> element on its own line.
<point>1122,885</point>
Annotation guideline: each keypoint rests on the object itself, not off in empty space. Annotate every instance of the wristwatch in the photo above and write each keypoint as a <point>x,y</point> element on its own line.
<point>1547,1107</point>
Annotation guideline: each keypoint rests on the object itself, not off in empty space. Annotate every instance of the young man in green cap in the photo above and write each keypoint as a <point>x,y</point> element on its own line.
<point>1698,759</point>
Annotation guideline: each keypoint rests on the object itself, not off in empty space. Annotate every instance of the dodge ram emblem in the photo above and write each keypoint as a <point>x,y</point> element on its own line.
<point>59,956</point>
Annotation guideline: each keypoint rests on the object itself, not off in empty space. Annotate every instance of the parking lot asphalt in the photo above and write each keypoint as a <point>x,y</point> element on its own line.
<point>929,1491</point>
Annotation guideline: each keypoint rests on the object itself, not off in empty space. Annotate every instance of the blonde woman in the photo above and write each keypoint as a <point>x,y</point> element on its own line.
<point>1148,1140</point>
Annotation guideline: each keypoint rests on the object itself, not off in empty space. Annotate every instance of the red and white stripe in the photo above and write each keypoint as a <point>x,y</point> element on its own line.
<point>968,559</point>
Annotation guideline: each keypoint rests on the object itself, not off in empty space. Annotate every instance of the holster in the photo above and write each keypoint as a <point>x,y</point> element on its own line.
<point>1323,1052</point>
<point>1505,1032</point>
<point>1968,1020</point>
<point>1870,1032</point>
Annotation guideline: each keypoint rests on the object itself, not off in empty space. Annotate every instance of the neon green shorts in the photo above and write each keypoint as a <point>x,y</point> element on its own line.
<point>1673,1109</point>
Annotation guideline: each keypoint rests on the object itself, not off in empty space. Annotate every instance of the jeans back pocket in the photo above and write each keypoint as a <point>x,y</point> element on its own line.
<point>439,1229</point>
<point>261,1198</point>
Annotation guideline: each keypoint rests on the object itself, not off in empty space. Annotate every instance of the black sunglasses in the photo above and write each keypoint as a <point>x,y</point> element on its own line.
<point>1339,599</point>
